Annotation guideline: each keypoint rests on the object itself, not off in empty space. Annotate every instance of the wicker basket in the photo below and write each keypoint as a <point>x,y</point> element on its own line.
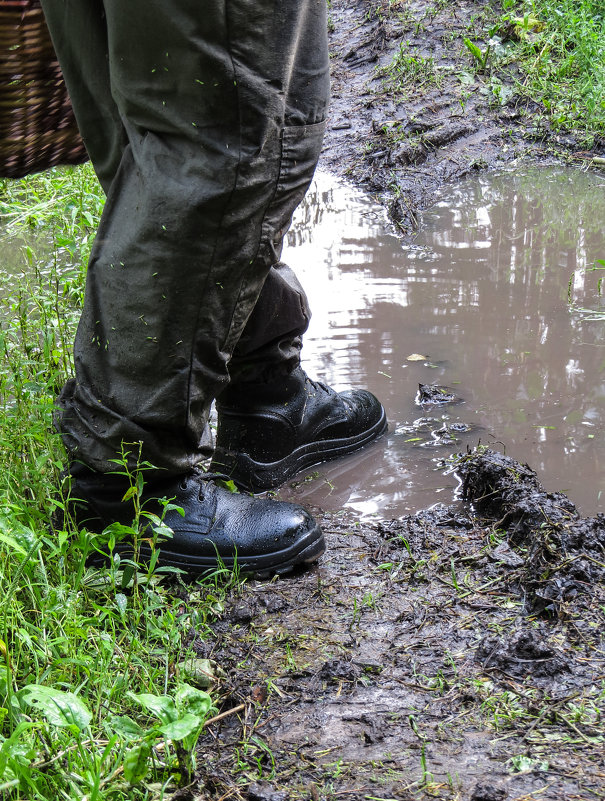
<point>37,125</point>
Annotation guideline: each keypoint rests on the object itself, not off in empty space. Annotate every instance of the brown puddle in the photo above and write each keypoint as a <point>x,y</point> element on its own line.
<point>482,293</point>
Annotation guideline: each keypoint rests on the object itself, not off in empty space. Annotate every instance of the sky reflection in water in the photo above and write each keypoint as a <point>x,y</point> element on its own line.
<point>483,294</point>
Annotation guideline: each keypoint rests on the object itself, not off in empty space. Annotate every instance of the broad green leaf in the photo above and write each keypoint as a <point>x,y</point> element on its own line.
<point>136,763</point>
<point>152,517</point>
<point>12,543</point>
<point>119,531</point>
<point>161,705</point>
<point>18,537</point>
<point>58,707</point>
<point>190,699</point>
<point>172,507</point>
<point>183,727</point>
<point>126,727</point>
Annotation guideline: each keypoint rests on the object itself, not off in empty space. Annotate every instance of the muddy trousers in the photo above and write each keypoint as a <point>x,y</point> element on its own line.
<point>203,120</point>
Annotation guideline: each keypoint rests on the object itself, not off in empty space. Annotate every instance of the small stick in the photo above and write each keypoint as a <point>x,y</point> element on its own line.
<point>225,714</point>
<point>574,727</point>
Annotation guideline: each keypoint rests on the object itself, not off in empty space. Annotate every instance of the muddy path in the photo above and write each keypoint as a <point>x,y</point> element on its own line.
<point>410,110</point>
<point>456,653</point>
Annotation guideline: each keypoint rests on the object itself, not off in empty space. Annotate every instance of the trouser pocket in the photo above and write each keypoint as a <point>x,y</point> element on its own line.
<point>300,149</point>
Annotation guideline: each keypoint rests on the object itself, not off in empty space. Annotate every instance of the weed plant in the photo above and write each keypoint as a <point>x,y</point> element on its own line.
<point>560,50</point>
<point>410,69</point>
<point>96,701</point>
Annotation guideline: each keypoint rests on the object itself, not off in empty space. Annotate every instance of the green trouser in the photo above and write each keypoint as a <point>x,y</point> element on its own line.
<point>204,122</point>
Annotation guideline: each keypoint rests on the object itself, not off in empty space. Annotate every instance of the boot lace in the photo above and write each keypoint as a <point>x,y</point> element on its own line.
<point>202,478</point>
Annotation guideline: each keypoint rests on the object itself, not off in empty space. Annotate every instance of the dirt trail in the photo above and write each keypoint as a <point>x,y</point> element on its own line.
<point>401,133</point>
<point>442,655</point>
<point>456,653</point>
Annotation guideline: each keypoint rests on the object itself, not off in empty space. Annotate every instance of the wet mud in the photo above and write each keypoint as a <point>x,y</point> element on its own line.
<point>564,554</point>
<point>453,653</point>
<point>403,134</point>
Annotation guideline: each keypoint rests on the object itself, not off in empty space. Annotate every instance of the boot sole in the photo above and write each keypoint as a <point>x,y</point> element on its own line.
<point>254,476</point>
<point>259,566</point>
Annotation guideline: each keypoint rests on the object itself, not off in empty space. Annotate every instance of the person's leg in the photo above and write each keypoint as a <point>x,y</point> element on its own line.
<point>79,33</point>
<point>215,162</point>
<point>273,421</point>
<point>269,349</point>
<point>205,139</point>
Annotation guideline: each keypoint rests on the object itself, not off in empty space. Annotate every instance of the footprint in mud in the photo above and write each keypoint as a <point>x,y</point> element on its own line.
<point>522,654</point>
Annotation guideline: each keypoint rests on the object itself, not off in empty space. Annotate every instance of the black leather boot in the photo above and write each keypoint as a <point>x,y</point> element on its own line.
<point>259,536</point>
<point>269,431</point>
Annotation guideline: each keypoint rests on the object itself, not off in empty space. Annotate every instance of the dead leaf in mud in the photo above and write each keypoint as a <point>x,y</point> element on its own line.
<point>503,553</point>
<point>201,672</point>
<point>416,357</point>
<point>259,694</point>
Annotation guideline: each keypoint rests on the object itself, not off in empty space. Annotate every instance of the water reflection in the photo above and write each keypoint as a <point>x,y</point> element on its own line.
<point>482,293</point>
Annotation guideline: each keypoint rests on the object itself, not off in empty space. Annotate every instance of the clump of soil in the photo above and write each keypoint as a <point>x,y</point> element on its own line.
<point>523,654</point>
<point>564,555</point>
<point>434,395</point>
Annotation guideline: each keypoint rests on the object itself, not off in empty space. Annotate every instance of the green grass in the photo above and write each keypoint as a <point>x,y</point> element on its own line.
<point>409,68</point>
<point>96,698</point>
<point>559,46</point>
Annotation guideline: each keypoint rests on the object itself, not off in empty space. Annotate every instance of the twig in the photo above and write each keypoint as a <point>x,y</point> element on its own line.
<point>574,728</point>
<point>225,714</point>
<point>585,555</point>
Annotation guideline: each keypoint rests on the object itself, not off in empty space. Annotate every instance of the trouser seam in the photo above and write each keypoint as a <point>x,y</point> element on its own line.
<point>225,209</point>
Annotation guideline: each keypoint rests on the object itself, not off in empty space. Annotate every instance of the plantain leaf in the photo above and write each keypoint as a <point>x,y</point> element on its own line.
<point>183,727</point>
<point>161,705</point>
<point>58,707</point>
<point>136,763</point>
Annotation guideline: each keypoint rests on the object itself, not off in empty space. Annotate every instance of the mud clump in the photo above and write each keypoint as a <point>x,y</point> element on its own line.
<point>434,395</point>
<point>339,670</point>
<point>564,553</point>
<point>487,792</point>
<point>510,492</point>
<point>522,654</point>
<point>262,791</point>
